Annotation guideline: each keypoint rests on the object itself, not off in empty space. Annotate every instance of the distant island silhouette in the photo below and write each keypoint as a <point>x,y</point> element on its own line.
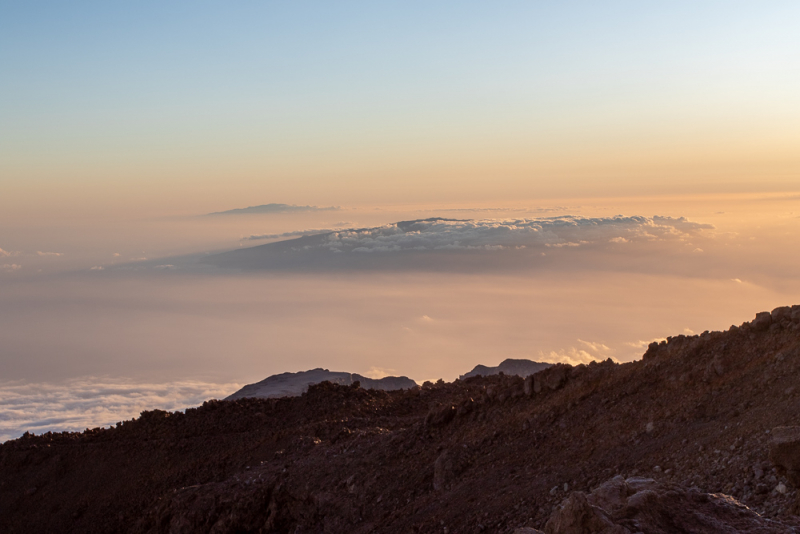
<point>273,208</point>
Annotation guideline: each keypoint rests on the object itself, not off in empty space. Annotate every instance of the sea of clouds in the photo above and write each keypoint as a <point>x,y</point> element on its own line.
<point>430,297</point>
<point>91,402</point>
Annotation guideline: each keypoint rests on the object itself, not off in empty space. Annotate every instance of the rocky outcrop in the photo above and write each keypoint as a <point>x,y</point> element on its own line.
<point>785,455</point>
<point>293,384</point>
<point>553,378</point>
<point>641,505</point>
<point>447,467</point>
<point>785,451</point>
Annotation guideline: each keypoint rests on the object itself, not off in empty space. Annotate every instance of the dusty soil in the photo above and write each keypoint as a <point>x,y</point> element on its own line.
<point>484,454</point>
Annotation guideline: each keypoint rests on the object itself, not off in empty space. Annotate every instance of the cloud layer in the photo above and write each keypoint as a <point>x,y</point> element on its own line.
<point>440,236</point>
<point>92,402</point>
<point>289,235</point>
<point>7,253</point>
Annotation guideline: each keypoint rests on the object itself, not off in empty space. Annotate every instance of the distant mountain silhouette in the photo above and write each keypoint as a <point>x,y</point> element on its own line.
<point>273,208</point>
<point>510,366</point>
<point>293,384</point>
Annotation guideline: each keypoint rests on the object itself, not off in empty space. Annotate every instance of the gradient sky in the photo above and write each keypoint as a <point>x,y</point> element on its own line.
<point>160,107</point>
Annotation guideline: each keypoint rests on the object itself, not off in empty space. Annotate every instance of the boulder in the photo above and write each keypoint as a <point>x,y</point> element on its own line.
<point>441,416</point>
<point>446,468</point>
<point>784,451</point>
<point>762,321</point>
<point>621,506</point>
<point>552,378</point>
<point>556,377</point>
<point>528,386</point>
<point>577,516</point>
<point>779,314</point>
<point>538,383</point>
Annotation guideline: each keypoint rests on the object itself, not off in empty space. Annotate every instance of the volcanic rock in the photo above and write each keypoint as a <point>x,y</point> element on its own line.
<point>762,321</point>
<point>477,455</point>
<point>785,451</point>
<point>643,505</point>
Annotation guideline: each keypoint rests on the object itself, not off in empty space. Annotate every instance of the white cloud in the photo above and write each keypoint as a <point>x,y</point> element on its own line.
<point>40,253</point>
<point>91,402</point>
<point>379,372</point>
<point>641,344</point>
<point>572,356</point>
<point>494,234</point>
<point>551,209</point>
<point>597,348</point>
<point>567,244</point>
<point>470,245</point>
<point>10,267</point>
<point>591,351</point>
<point>297,233</point>
<point>97,268</point>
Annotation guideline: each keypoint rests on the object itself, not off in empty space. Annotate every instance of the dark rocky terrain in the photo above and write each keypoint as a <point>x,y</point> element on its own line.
<point>684,440</point>
<point>291,384</point>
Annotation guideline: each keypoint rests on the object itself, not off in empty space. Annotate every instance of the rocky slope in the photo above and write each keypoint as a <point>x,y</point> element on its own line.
<point>567,450</point>
<point>292,384</point>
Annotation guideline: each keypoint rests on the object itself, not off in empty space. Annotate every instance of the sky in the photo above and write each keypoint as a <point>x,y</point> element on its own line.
<point>601,175</point>
<point>152,108</point>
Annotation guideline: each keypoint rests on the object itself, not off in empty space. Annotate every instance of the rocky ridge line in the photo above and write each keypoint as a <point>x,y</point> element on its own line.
<point>698,415</point>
